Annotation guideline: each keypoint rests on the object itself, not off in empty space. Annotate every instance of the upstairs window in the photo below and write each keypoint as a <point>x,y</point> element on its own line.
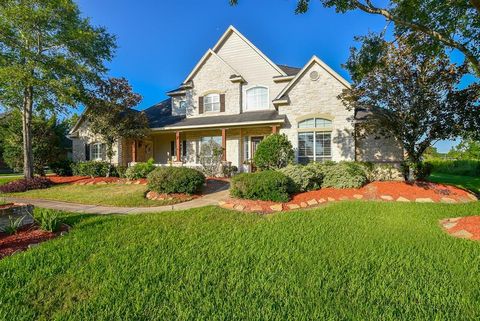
<point>257,98</point>
<point>211,103</point>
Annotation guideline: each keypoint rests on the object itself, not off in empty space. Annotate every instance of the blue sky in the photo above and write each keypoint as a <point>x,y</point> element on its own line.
<point>161,41</point>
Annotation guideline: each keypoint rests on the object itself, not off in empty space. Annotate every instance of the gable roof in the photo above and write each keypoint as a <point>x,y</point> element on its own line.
<point>231,29</point>
<point>289,70</point>
<point>205,57</point>
<point>300,74</point>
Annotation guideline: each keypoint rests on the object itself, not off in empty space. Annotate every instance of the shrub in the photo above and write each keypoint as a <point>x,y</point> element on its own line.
<point>13,225</point>
<point>274,152</point>
<point>23,185</point>
<point>229,170</point>
<point>47,219</point>
<point>456,167</point>
<point>140,170</point>
<point>91,168</point>
<point>121,171</point>
<point>302,178</point>
<point>267,186</point>
<point>170,180</point>
<point>62,167</point>
<point>340,175</point>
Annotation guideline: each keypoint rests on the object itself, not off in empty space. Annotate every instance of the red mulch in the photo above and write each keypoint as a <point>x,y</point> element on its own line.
<point>471,224</point>
<point>29,234</point>
<point>374,190</point>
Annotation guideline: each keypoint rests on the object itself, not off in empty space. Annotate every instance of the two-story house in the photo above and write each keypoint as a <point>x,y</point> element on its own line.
<point>235,96</point>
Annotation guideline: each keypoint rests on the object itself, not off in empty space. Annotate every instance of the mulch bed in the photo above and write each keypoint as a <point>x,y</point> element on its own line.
<point>463,227</point>
<point>26,236</point>
<point>384,191</point>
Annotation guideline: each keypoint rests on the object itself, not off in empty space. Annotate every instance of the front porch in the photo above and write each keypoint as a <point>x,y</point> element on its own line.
<point>181,147</point>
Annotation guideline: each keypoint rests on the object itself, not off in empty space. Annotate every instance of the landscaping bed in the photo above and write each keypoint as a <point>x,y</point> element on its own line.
<point>382,191</point>
<point>463,227</point>
<point>26,237</point>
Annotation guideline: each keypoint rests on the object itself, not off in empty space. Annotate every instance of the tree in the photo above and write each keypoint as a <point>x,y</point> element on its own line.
<point>49,57</point>
<point>431,153</point>
<point>468,149</point>
<point>414,98</point>
<point>47,134</point>
<point>451,24</point>
<point>111,116</point>
<point>274,152</point>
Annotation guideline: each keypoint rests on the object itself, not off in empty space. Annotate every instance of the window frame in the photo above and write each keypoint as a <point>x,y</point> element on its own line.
<point>257,107</point>
<point>212,104</point>
<point>96,148</point>
<point>310,134</point>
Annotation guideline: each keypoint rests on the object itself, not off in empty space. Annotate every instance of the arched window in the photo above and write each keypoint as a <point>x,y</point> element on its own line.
<point>211,103</point>
<point>314,140</point>
<point>257,98</point>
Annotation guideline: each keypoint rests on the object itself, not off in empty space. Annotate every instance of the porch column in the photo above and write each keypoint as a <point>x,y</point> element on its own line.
<point>177,139</point>
<point>224,144</point>
<point>134,151</point>
<point>274,129</point>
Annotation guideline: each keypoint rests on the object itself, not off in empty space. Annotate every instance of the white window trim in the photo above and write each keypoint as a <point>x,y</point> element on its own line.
<point>245,98</point>
<point>92,146</point>
<point>213,103</point>
<point>314,130</point>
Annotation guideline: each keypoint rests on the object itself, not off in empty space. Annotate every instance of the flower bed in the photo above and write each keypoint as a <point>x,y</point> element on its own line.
<point>382,191</point>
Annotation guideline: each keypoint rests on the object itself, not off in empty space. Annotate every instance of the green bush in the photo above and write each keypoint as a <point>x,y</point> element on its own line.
<point>47,219</point>
<point>302,178</point>
<point>62,167</point>
<point>340,175</point>
<point>91,168</point>
<point>274,152</point>
<point>140,170</point>
<point>121,171</point>
<point>266,185</point>
<point>170,180</point>
<point>456,167</point>
<point>13,225</point>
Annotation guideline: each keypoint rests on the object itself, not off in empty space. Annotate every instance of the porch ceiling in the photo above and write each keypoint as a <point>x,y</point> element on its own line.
<point>264,117</point>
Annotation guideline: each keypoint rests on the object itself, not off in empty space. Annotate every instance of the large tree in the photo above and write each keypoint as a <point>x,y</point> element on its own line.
<point>111,116</point>
<point>49,57</point>
<point>412,97</point>
<point>453,24</point>
<point>466,149</point>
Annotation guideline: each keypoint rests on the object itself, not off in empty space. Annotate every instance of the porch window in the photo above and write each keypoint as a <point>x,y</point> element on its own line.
<point>208,144</point>
<point>97,151</point>
<point>314,140</point>
<point>257,98</point>
<point>211,103</point>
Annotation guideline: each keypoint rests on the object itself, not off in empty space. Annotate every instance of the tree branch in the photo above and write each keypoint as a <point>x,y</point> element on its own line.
<point>370,8</point>
<point>476,4</point>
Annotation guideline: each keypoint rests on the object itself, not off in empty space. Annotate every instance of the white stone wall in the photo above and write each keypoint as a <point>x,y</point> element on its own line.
<point>379,149</point>
<point>309,97</point>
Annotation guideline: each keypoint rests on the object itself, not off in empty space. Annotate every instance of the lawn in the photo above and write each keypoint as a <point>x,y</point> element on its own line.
<point>8,179</point>
<point>346,261</point>
<point>108,195</point>
<point>466,182</point>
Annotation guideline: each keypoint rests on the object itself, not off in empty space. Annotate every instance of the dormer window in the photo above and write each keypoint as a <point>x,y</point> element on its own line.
<point>211,103</point>
<point>257,98</point>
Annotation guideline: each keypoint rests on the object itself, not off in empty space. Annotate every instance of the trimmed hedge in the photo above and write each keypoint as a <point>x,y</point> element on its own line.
<point>171,180</point>
<point>302,178</point>
<point>62,167</point>
<point>140,170</point>
<point>23,185</point>
<point>456,167</point>
<point>265,185</point>
<point>341,175</point>
<point>91,168</point>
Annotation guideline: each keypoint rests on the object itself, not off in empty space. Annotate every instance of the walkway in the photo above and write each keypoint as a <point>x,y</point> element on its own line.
<point>210,199</point>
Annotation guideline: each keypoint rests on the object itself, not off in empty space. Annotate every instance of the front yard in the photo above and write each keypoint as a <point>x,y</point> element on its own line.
<point>466,182</point>
<point>348,260</point>
<point>108,195</point>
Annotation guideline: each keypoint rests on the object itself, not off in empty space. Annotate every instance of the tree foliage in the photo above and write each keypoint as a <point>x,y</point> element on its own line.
<point>49,58</point>
<point>111,116</point>
<point>274,152</point>
<point>467,149</point>
<point>451,24</point>
<point>414,98</point>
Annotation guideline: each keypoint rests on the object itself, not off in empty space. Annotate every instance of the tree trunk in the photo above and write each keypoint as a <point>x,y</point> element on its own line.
<point>27,133</point>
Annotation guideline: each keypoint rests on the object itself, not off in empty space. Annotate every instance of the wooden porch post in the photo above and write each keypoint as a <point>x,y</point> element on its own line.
<point>274,129</point>
<point>177,136</point>
<point>134,151</point>
<point>224,144</point>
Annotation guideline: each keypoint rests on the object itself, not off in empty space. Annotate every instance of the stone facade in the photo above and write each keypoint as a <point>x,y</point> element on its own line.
<point>15,211</point>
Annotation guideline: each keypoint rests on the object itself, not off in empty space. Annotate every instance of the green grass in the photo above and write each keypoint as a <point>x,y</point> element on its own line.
<point>347,261</point>
<point>108,195</point>
<point>456,167</point>
<point>8,179</point>
<point>466,182</point>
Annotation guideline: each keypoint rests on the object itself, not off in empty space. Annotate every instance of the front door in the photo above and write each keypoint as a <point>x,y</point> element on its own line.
<point>255,140</point>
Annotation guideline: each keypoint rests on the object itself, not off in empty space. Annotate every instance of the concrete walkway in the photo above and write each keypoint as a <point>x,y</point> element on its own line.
<point>210,199</point>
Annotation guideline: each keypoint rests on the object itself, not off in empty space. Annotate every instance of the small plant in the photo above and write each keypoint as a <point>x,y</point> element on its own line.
<point>140,170</point>
<point>121,171</point>
<point>266,186</point>
<point>62,167</point>
<point>47,219</point>
<point>229,170</point>
<point>13,225</point>
<point>169,180</point>
<point>274,152</point>
<point>23,185</point>
<point>210,157</point>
